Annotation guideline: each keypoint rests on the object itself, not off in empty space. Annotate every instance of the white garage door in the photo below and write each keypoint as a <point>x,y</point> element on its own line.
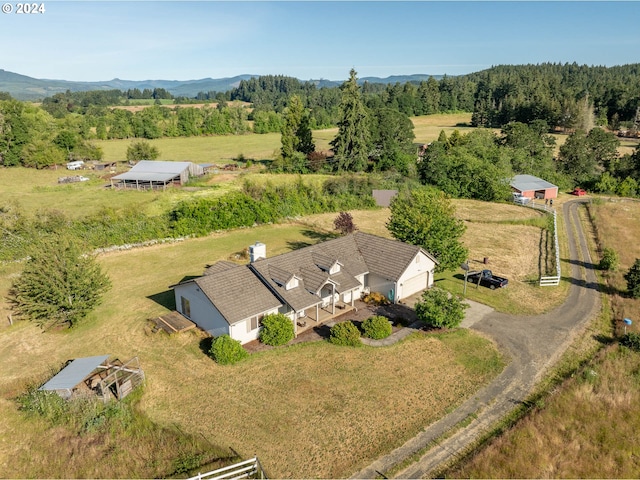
<point>415,284</point>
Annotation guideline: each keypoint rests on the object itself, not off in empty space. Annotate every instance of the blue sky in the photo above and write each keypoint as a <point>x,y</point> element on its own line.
<point>181,40</point>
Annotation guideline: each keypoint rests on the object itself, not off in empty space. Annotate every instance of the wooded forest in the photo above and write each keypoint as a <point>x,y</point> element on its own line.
<point>527,102</point>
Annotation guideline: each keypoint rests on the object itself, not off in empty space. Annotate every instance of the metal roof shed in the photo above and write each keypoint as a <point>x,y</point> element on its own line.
<point>73,374</point>
<point>533,187</point>
<point>155,174</point>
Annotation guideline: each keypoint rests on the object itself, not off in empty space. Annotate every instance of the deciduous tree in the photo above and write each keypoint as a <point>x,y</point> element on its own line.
<point>426,217</point>
<point>344,223</point>
<point>142,150</point>
<point>439,309</point>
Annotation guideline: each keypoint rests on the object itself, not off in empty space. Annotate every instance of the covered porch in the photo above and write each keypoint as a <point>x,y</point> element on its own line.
<point>322,315</point>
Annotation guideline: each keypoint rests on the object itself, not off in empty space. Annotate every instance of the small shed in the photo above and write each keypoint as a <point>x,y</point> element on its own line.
<point>383,197</point>
<point>533,187</point>
<point>148,174</point>
<point>98,376</point>
<point>105,165</point>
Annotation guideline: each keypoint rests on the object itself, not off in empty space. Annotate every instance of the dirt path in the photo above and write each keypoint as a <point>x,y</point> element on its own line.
<point>534,344</point>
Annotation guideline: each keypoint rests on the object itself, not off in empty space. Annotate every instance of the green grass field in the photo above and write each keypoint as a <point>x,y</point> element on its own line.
<point>224,149</point>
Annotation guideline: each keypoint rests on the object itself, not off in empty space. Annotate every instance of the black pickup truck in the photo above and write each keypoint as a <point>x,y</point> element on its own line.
<point>487,279</point>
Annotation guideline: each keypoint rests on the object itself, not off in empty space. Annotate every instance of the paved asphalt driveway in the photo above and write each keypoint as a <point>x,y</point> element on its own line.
<point>534,343</point>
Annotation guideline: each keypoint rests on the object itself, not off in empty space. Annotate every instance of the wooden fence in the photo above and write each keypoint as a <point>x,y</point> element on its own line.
<point>248,469</point>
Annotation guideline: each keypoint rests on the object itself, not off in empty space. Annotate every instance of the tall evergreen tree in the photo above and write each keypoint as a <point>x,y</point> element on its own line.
<point>296,130</point>
<point>351,145</point>
<point>59,285</point>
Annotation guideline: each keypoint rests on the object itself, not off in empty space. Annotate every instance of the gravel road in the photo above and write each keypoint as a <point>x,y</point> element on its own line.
<point>533,343</point>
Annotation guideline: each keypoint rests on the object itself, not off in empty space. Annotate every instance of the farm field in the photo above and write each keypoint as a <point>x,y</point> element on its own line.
<point>380,396</point>
<point>589,427</point>
<point>225,148</point>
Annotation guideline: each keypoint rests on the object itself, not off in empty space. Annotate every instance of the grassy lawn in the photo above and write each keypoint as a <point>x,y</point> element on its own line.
<point>289,406</point>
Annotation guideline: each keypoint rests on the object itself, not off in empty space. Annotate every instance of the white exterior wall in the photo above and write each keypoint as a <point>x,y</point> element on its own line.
<point>415,269</point>
<point>381,285</point>
<point>239,329</point>
<point>203,313</point>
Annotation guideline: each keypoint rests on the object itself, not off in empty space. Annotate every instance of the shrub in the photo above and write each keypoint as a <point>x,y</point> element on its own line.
<point>631,340</point>
<point>227,351</point>
<point>633,279</point>
<point>277,329</point>
<point>376,327</point>
<point>375,298</point>
<point>344,223</point>
<point>610,260</point>
<point>440,310</point>
<point>345,333</point>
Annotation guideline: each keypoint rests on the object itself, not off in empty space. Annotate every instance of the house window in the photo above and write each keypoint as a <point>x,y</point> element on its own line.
<point>417,258</point>
<point>254,322</point>
<point>186,307</point>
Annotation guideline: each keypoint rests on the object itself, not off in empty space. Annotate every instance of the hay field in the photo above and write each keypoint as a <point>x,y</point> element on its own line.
<point>224,148</point>
<point>618,226</point>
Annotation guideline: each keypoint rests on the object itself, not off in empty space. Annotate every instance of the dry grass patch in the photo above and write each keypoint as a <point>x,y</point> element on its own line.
<point>322,411</point>
<point>589,429</point>
<point>617,223</point>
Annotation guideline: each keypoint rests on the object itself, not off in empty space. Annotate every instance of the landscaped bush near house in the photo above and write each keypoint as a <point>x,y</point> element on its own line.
<point>376,327</point>
<point>375,298</point>
<point>440,310</point>
<point>277,329</point>
<point>345,333</point>
<point>631,340</point>
<point>226,351</point>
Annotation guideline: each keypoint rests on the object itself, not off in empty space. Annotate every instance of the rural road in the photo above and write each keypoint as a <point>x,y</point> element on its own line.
<point>533,343</point>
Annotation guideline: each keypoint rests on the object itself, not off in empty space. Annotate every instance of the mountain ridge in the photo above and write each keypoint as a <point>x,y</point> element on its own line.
<point>23,87</point>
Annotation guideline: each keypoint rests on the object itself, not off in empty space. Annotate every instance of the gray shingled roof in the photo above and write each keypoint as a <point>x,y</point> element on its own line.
<point>525,183</point>
<point>218,267</point>
<point>74,373</point>
<point>386,257</point>
<point>237,293</point>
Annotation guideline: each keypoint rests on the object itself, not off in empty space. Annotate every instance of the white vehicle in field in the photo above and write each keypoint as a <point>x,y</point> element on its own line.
<point>76,165</point>
<point>520,199</point>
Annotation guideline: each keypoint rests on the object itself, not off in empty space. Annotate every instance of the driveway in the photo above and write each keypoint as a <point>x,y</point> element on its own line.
<point>533,343</point>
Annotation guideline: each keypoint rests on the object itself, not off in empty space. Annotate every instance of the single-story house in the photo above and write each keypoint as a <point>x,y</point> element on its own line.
<point>313,283</point>
<point>533,187</point>
<point>148,174</point>
<point>99,376</point>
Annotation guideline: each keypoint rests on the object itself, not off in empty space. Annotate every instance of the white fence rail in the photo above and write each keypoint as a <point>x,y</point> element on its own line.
<point>248,468</point>
<point>550,280</point>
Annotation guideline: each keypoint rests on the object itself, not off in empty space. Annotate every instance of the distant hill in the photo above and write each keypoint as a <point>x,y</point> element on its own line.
<point>22,87</point>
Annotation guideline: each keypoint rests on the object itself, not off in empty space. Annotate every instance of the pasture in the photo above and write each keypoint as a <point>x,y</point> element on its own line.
<point>309,410</point>
<point>226,148</point>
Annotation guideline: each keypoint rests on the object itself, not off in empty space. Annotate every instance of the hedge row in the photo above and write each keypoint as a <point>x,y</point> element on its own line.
<point>255,204</point>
